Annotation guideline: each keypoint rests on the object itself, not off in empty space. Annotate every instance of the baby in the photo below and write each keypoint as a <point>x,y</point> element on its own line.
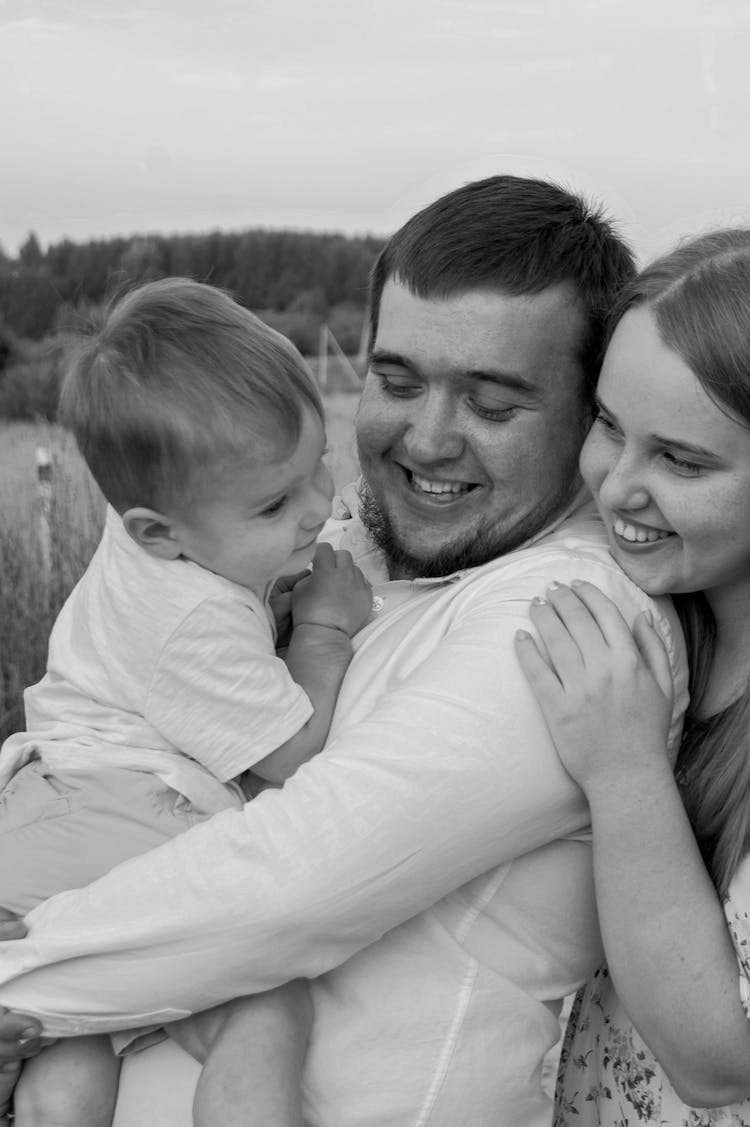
<point>205,433</point>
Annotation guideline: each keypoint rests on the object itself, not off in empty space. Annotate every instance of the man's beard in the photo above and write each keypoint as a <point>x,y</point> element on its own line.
<point>476,548</point>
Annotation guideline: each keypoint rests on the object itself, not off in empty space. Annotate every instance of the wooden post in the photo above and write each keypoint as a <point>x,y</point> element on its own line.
<point>44,489</point>
<point>350,372</point>
<point>364,341</point>
<point>323,357</point>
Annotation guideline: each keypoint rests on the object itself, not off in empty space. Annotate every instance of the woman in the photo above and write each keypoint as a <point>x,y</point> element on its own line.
<point>664,1027</point>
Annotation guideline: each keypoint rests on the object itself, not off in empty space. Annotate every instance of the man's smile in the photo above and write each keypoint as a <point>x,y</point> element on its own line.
<point>442,490</point>
<point>436,487</point>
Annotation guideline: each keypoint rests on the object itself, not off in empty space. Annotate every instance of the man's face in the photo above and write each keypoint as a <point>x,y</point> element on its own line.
<point>470,424</point>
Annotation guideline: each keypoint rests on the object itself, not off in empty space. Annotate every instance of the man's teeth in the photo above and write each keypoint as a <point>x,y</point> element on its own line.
<point>429,486</point>
<point>638,535</point>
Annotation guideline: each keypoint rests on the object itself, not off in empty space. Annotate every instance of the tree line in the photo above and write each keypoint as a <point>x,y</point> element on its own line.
<point>279,270</point>
<point>294,280</point>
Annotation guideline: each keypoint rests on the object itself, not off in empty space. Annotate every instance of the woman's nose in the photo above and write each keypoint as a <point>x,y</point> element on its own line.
<point>623,486</point>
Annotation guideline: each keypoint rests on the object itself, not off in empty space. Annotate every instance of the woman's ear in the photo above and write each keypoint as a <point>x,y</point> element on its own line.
<point>153,532</point>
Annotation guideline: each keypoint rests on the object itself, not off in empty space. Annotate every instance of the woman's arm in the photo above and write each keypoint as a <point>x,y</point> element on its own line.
<point>605,694</point>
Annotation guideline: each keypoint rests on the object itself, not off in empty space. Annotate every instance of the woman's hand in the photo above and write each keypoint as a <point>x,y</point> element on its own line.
<point>605,691</point>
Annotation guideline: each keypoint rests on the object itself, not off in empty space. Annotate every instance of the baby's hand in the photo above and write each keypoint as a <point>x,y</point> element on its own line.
<point>280,601</point>
<point>605,691</point>
<point>20,1038</point>
<point>335,593</point>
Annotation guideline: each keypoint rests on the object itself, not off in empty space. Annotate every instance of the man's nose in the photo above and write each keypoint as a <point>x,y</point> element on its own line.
<point>434,433</point>
<point>624,485</point>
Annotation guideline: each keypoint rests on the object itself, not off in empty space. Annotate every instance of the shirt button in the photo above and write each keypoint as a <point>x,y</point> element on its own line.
<point>377,603</point>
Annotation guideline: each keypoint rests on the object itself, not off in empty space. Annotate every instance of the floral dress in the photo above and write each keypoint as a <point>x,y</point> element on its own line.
<point>608,1077</point>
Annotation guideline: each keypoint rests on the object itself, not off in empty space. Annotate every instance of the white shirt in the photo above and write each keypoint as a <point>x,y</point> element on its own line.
<point>163,666</point>
<point>435,854</point>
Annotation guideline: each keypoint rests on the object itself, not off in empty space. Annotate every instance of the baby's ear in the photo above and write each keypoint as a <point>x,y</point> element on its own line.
<point>153,532</point>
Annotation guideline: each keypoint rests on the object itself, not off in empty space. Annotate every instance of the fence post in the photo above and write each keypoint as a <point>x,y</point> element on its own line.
<point>44,489</point>
<point>349,371</point>
<point>323,356</point>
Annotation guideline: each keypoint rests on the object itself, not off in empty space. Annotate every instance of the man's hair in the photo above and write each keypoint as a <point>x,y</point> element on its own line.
<point>177,378</point>
<point>515,235</point>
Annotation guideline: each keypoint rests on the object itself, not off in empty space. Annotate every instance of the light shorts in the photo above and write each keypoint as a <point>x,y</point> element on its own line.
<point>63,829</point>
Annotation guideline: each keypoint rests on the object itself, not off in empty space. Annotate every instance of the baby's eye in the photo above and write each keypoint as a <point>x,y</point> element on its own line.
<point>274,507</point>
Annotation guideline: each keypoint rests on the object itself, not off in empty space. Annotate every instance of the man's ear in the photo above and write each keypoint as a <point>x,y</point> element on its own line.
<point>152,531</point>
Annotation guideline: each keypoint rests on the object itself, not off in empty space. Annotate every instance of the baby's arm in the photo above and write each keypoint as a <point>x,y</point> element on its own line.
<point>328,607</point>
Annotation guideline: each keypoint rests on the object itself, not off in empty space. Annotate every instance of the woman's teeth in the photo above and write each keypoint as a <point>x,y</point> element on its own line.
<point>637,535</point>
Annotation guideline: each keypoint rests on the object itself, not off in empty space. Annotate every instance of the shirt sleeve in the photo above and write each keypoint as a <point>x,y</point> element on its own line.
<point>737,910</point>
<point>219,692</point>
<point>451,773</point>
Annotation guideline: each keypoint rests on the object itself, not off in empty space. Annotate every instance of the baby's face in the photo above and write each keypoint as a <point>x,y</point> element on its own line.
<point>261,519</point>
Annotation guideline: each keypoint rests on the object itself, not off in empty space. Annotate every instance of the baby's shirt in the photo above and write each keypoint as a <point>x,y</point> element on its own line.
<point>160,665</point>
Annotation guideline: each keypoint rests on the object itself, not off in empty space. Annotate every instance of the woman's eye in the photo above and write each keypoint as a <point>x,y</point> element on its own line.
<point>682,465</point>
<point>604,421</point>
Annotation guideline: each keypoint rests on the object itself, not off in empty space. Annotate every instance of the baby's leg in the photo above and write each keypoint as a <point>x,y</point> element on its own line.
<point>72,1083</point>
<point>254,1051</point>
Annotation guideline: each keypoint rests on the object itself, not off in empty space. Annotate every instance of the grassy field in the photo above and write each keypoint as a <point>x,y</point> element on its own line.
<point>40,561</point>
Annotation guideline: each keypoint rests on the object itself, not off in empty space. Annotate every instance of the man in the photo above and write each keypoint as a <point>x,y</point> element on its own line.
<point>429,870</point>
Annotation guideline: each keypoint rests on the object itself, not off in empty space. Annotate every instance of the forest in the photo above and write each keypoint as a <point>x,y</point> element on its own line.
<point>295,280</point>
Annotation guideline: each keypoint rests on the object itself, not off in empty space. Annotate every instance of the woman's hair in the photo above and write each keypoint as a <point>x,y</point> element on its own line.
<point>699,296</point>
<point>177,379</point>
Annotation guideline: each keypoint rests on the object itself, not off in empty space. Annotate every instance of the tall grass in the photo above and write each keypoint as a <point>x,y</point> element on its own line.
<point>34,581</point>
<point>40,560</point>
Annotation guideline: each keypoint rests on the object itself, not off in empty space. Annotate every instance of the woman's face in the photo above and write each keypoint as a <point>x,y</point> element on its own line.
<point>669,469</point>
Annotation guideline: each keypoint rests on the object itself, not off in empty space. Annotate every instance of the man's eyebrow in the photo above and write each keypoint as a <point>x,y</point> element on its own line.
<point>503,378</point>
<point>512,380</point>
<point>382,356</point>
<point>666,440</point>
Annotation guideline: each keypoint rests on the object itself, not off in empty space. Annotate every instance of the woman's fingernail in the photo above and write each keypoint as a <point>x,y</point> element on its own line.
<point>554,585</point>
<point>576,583</point>
<point>537,601</point>
<point>521,635</point>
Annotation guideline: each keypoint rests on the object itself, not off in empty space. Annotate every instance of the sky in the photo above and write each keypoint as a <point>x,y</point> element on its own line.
<point>178,115</point>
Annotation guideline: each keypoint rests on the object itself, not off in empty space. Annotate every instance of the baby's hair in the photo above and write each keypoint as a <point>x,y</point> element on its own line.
<point>178,378</point>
